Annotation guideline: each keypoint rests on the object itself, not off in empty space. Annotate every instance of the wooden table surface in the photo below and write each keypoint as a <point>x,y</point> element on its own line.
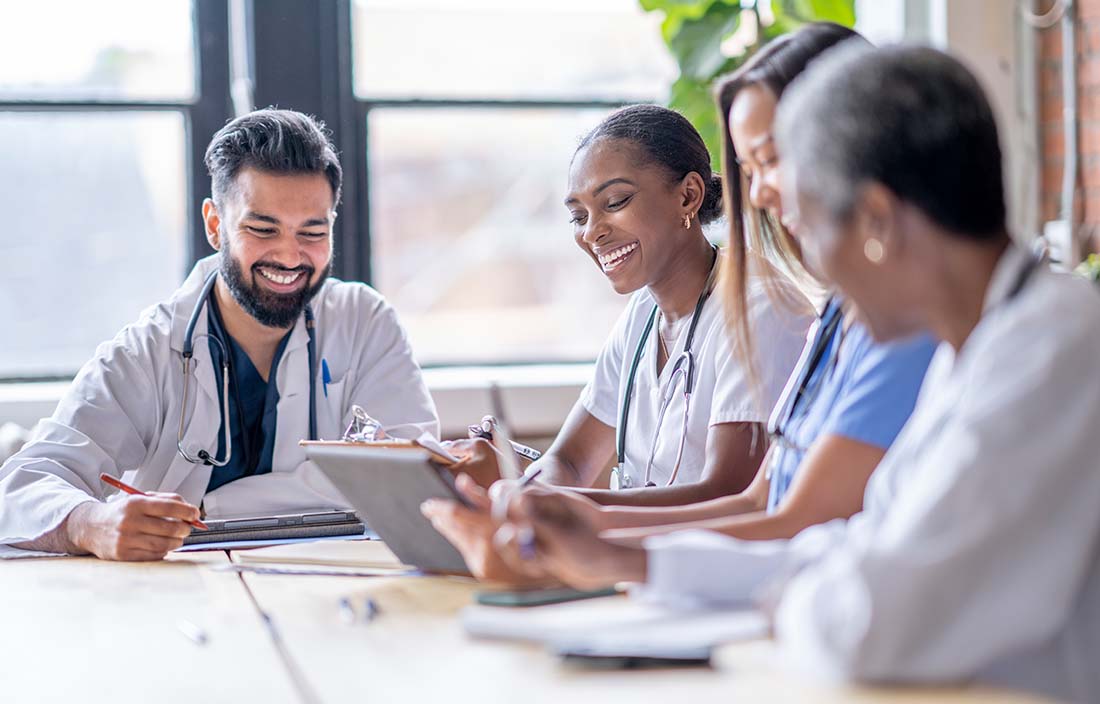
<point>83,630</point>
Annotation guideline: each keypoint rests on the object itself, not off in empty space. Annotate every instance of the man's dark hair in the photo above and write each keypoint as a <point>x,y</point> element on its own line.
<point>275,141</point>
<point>910,118</point>
<point>664,138</point>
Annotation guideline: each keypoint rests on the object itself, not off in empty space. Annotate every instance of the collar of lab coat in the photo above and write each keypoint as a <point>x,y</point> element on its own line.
<point>183,306</point>
<point>292,377</point>
<point>1006,275</point>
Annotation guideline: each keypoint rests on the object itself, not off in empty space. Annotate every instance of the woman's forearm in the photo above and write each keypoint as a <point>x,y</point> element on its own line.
<point>643,516</point>
<point>757,526</point>
<point>557,471</point>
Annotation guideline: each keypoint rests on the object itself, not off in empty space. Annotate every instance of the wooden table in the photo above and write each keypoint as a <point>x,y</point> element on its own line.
<point>81,630</point>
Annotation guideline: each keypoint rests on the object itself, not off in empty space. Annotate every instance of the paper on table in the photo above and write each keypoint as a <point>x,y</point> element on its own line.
<point>250,544</point>
<point>319,570</point>
<point>614,623</point>
<point>430,443</point>
<point>346,553</point>
<point>7,552</point>
<point>674,633</point>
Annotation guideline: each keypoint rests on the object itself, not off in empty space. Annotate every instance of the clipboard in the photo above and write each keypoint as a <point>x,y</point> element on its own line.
<point>425,442</point>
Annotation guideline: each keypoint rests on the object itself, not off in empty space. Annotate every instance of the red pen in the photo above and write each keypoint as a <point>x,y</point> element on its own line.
<point>123,486</point>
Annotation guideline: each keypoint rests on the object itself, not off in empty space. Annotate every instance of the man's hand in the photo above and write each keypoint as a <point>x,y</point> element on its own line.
<point>131,527</point>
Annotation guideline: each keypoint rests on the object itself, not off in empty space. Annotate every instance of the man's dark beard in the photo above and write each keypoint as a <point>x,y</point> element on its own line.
<point>275,310</point>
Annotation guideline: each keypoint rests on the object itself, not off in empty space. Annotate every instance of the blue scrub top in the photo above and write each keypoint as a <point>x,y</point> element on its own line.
<point>253,406</point>
<point>861,389</point>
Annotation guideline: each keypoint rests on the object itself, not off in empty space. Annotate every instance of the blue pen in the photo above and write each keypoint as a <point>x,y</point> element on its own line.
<point>326,377</point>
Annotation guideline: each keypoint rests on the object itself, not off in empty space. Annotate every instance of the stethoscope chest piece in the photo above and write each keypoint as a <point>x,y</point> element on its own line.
<point>620,479</point>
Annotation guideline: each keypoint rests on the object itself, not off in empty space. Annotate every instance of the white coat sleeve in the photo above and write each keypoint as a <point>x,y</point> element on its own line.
<point>105,423</point>
<point>696,568</point>
<point>389,384</point>
<point>986,544</point>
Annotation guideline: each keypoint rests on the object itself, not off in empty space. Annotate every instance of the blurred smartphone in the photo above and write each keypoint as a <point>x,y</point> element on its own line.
<point>539,597</point>
<point>594,659</point>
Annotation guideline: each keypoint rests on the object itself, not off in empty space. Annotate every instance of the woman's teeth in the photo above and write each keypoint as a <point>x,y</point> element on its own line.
<point>278,278</point>
<point>610,260</point>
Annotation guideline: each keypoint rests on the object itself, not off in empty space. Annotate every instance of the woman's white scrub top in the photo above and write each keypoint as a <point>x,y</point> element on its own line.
<point>723,391</point>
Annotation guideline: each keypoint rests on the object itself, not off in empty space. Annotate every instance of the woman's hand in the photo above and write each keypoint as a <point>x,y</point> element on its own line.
<point>471,529</point>
<point>477,459</point>
<point>546,531</point>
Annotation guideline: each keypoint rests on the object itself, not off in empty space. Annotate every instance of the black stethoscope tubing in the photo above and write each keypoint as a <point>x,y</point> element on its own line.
<point>203,456</point>
<point>689,381</point>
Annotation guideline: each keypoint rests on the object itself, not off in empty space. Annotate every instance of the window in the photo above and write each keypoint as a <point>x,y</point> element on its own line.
<point>456,120</point>
<point>473,112</point>
<point>96,230</point>
<point>95,177</point>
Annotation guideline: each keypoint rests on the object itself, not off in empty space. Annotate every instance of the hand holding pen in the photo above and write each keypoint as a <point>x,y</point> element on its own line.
<point>141,526</point>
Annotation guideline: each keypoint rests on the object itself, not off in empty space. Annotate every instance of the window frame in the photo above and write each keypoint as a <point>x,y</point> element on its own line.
<point>289,68</point>
<point>346,114</point>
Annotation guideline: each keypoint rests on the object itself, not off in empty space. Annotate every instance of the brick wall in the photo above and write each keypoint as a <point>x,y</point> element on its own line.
<point>1052,143</point>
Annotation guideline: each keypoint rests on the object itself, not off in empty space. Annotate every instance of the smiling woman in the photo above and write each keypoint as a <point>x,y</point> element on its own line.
<point>640,190</point>
<point>669,409</point>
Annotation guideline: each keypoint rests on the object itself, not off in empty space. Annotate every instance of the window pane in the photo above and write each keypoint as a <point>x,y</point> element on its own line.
<point>504,49</point>
<point>95,224</point>
<point>471,242</point>
<point>110,49</point>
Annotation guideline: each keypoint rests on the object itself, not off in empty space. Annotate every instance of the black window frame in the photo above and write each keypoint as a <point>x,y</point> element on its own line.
<point>279,51</point>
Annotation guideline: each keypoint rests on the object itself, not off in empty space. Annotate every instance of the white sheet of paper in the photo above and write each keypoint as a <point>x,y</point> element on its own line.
<point>317,571</point>
<point>371,554</point>
<point>614,624</point>
<point>428,442</point>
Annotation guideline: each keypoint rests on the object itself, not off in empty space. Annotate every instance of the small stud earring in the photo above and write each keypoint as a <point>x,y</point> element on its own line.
<point>687,221</point>
<point>874,250</point>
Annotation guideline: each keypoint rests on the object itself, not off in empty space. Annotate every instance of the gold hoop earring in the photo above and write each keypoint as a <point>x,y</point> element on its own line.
<point>687,221</point>
<point>874,250</point>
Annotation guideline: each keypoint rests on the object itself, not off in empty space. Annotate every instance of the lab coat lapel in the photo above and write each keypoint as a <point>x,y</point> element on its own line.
<point>292,378</point>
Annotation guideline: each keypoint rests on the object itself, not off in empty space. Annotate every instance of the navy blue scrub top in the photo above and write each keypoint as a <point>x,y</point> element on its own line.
<point>253,406</point>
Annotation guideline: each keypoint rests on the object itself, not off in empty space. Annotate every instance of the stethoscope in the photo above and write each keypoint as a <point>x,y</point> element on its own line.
<point>831,319</point>
<point>683,369</point>
<point>204,457</point>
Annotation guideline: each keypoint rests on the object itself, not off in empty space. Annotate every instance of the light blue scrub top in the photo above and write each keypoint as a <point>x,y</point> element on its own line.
<point>866,393</point>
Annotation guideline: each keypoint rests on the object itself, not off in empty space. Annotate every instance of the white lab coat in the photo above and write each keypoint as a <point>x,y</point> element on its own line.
<point>977,555</point>
<point>121,414</point>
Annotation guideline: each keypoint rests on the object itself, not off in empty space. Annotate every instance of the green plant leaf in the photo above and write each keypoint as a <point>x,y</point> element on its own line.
<point>693,100</point>
<point>839,11</point>
<point>676,12</point>
<point>694,31</point>
<point>697,43</point>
